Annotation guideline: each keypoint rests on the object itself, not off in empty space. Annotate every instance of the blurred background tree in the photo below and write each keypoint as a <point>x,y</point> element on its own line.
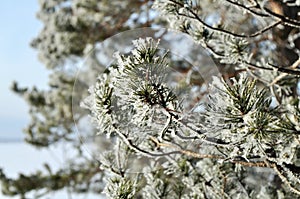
<point>260,37</point>
<point>71,29</point>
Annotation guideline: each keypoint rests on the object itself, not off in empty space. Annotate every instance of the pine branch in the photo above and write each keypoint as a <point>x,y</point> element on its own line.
<point>220,30</point>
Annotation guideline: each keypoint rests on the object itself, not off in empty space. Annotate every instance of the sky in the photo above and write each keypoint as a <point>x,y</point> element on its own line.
<point>19,62</point>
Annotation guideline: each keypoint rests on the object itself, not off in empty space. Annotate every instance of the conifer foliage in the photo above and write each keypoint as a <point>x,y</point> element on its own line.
<point>241,133</point>
<point>237,136</point>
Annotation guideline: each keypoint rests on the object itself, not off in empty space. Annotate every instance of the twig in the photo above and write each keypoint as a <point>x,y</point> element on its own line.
<point>289,70</point>
<point>195,16</point>
<point>137,149</point>
<point>285,20</point>
<point>265,164</point>
<point>165,129</point>
<point>247,8</point>
<point>285,180</point>
<point>272,67</point>
<point>200,134</point>
<point>278,78</point>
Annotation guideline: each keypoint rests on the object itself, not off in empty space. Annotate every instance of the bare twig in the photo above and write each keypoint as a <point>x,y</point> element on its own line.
<point>292,67</point>
<point>137,149</point>
<point>264,164</point>
<point>285,20</point>
<point>247,8</point>
<point>217,157</point>
<point>195,16</point>
<point>284,179</point>
<point>289,70</point>
<point>166,127</point>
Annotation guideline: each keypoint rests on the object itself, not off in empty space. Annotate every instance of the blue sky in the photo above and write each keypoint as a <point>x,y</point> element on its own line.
<point>18,61</point>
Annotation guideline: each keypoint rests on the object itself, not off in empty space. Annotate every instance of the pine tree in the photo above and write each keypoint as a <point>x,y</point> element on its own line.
<point>234,137</point>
